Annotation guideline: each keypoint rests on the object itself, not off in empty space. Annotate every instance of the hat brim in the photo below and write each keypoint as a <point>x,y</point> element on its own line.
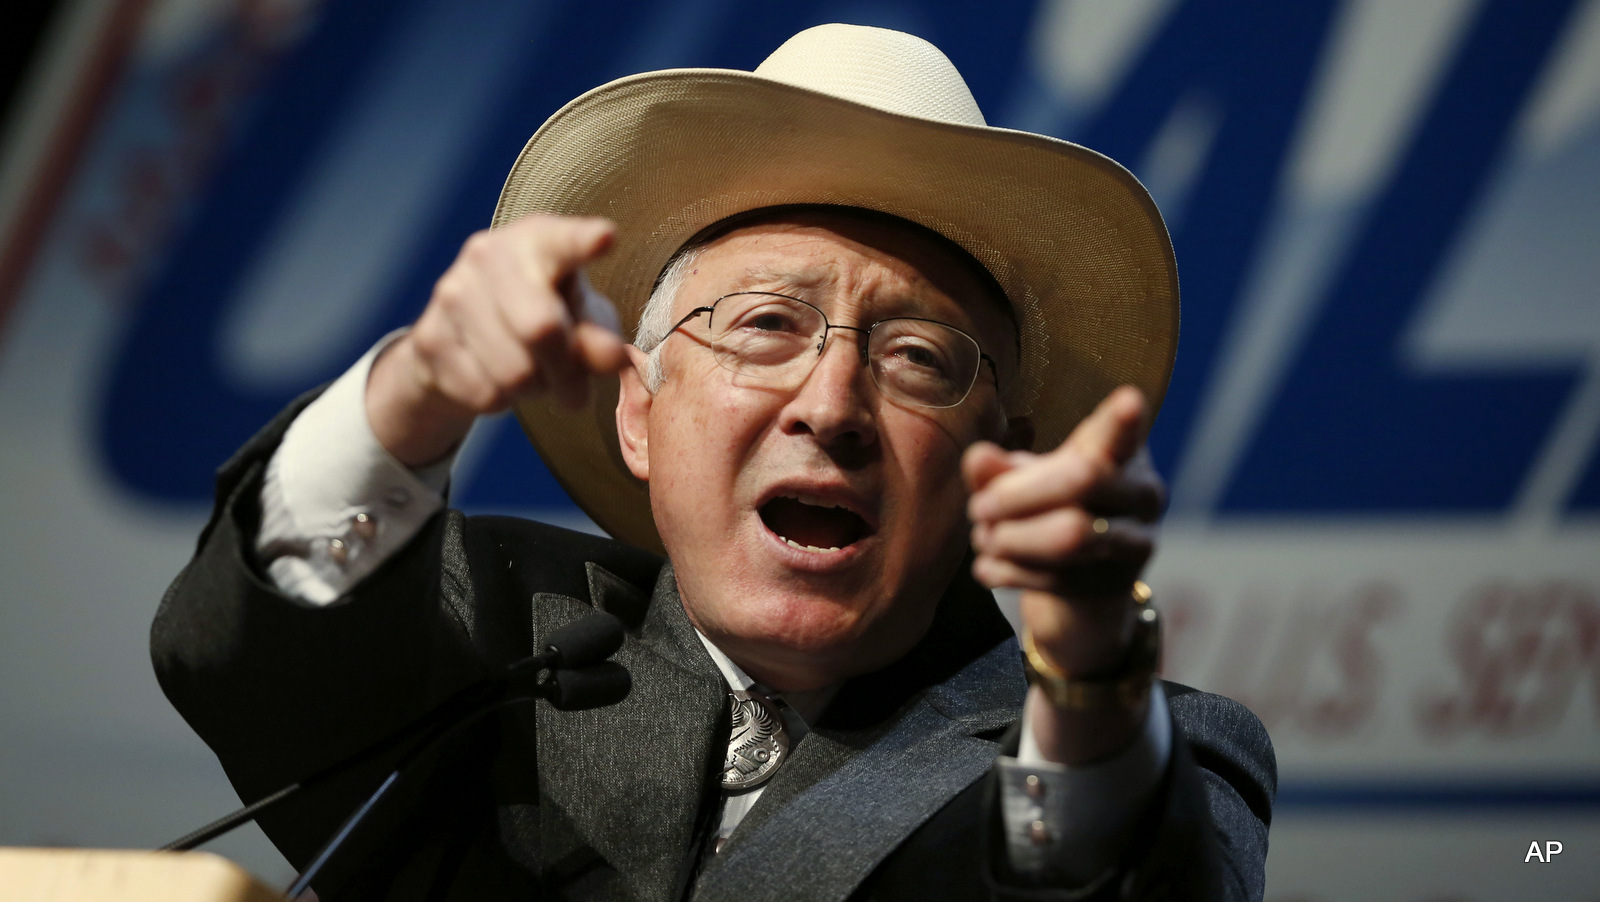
<point>1072,237</point>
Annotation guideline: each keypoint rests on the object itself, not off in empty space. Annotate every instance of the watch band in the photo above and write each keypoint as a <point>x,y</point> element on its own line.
<point>1127,686</point>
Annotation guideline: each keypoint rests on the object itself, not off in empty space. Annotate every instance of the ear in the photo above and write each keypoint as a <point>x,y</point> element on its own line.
<point>633,413</point>
<point>1018,435</point>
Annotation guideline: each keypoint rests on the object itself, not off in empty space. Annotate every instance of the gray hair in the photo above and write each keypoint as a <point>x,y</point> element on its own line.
<point>656,318</point>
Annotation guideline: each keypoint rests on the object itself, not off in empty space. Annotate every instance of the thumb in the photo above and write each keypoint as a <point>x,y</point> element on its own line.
<point>982,462</point>
<point>600,348</point>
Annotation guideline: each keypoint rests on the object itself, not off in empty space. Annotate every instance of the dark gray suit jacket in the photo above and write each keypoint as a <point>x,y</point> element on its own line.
<point>886,798</point>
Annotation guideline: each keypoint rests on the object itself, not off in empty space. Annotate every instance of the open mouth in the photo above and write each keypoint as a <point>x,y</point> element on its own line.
<point>819,528</point>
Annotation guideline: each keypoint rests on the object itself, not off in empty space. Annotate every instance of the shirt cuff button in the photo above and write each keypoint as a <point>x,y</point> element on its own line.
<point>363,525</point>
<point>338,551</point>
<point>1039,834</point>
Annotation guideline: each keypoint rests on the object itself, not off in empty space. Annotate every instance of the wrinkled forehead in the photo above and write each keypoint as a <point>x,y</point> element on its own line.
<point>935,258</point>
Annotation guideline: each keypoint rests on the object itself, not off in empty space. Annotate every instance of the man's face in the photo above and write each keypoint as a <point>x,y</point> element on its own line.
<point>735,469</point>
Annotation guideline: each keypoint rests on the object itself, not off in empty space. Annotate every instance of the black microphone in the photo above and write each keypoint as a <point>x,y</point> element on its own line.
<point>593,686</point>
<point>593,637</point>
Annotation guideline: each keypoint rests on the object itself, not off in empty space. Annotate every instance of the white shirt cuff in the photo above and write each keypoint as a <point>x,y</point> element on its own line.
<point>1072,823</point>
<point>335,504</point>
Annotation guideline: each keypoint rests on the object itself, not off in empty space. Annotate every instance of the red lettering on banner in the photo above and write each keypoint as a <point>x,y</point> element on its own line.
<point>1519,651</point>
<point>1308,661</point>
<point>1185,620</point>
<point>201,98</point>
<point>1360,668</point>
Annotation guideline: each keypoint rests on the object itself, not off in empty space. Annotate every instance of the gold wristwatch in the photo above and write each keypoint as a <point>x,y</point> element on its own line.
<point>1126,686</point>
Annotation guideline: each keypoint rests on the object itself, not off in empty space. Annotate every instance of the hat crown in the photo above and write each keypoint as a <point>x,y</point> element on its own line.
<point>876,67</point>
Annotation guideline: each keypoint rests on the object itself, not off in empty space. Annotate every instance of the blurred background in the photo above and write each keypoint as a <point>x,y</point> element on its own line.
<point>1381,435</point>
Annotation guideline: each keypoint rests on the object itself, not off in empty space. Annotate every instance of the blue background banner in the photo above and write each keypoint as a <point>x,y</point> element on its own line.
<point>1382,436</point>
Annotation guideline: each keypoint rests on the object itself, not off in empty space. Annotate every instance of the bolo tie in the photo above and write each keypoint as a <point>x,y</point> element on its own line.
<point>758,743</point>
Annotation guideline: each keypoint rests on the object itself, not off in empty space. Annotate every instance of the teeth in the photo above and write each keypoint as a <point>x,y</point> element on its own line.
<point>811,548</point>
<point>817,501</point>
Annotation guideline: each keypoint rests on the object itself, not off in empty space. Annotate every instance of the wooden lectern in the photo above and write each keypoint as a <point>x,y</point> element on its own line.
<point>100,875</point>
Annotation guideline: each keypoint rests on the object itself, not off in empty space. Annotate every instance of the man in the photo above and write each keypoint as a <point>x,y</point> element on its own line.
<point>857,309</point>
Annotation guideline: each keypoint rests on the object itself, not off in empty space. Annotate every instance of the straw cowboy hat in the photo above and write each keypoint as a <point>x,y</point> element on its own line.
<point>860,117</point>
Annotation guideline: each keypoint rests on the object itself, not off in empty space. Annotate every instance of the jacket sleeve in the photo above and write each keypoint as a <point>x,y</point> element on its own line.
<point>1205,835</point>
<point>280,688</point>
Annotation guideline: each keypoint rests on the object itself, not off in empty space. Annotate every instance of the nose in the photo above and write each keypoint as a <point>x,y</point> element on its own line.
<point>834,403</point>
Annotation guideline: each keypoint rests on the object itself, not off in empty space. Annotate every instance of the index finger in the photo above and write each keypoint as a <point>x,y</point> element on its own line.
<point>552,250</point>
<point>1112,433</point>
<point>1095,450</point>
<point>561,244</point>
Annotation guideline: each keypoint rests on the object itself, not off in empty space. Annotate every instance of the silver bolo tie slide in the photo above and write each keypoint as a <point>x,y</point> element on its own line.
<point>759,743</point>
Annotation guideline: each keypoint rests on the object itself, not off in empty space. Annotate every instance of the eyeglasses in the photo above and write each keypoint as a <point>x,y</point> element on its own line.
<point>765,337</point>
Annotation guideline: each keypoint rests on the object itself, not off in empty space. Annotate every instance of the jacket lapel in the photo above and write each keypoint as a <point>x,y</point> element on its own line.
<point>894,749</point>
<point>855,795</point>
<point>651,752</point>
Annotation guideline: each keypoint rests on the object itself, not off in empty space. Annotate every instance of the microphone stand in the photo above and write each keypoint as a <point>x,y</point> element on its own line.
<point>565,674</point>
<point>463,704</point>
<point>366,808</point>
